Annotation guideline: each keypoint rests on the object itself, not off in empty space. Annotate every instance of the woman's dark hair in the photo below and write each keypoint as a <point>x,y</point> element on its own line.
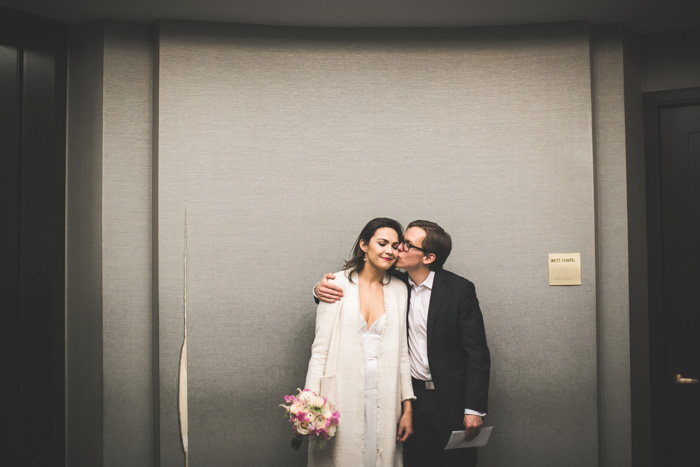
<point>357,256</point>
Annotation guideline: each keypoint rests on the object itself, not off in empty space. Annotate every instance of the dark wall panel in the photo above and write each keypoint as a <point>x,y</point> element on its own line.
<point>39,227</point>
<point>32,139</point>
<point>9,235</point>
<point>84,271</point>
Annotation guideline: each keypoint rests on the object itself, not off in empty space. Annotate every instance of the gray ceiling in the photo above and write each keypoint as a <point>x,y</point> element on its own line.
<point>643,16</point>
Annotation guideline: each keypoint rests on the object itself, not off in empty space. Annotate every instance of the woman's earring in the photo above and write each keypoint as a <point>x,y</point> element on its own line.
<point>365,257</point>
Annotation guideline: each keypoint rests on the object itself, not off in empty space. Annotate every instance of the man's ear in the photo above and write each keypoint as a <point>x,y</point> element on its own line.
<point>429,258</point>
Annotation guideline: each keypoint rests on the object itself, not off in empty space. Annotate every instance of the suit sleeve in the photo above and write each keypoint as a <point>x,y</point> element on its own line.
<point>478,356</point>
<point>325,318</point>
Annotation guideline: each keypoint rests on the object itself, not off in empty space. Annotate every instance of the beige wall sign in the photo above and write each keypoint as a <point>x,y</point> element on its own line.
<point>565,269</point>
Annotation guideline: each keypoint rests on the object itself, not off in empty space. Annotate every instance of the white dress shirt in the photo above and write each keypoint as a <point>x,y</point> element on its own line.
<point>418,327</point>
<point>418,331</point>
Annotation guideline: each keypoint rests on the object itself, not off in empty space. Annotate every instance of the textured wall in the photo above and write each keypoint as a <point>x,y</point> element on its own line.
<point>611,216</point>
<point>109,402</point>
<point>284,142</point>
<point>126,245</point>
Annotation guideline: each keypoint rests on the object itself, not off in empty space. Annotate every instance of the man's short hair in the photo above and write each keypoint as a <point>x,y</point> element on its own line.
<point>437,242</point>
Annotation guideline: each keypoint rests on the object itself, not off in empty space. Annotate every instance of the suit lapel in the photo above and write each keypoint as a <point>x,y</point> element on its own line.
<point>436,296</point>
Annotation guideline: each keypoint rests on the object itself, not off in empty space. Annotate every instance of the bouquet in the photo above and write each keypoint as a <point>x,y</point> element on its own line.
<point>312,416</point>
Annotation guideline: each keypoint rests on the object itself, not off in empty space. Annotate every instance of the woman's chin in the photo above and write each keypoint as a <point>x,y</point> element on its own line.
<point>383,265</point>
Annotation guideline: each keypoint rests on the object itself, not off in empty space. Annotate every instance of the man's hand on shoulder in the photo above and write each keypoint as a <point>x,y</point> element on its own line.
<point>472,426</point>
<point>327,291</point>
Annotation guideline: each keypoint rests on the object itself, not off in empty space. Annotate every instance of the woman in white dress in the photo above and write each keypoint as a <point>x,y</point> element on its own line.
<point>359,358</point>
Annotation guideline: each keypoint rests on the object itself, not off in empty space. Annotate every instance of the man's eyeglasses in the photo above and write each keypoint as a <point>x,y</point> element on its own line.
<point>407,247</point>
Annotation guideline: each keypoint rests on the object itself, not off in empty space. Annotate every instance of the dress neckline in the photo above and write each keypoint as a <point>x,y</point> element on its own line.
<point>364,321</point>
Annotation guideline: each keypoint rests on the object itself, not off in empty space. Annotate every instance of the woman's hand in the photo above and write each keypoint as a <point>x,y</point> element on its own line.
<point>405,422</point>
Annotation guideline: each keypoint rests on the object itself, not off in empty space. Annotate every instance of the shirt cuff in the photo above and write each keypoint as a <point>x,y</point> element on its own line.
<point>474,412</point>
<point>313,291</point>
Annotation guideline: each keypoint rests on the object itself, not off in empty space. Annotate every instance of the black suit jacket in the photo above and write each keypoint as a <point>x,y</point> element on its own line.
<point>458,355</point>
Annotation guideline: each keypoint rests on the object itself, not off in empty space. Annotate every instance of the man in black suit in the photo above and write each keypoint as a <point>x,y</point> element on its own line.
<point>450,361</point>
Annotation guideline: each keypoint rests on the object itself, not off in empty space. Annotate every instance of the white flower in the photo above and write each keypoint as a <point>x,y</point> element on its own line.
<point>331,430</point>
<point>296,407</point>
<point>303,428</point>
<point>327,412</point>
<point>316,401</point>
<point>305,396</point>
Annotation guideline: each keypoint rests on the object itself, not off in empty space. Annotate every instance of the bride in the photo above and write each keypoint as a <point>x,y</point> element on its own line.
<point>359,358</point>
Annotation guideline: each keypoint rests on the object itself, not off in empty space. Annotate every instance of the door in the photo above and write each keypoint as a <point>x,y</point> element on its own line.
<point>675,279</point>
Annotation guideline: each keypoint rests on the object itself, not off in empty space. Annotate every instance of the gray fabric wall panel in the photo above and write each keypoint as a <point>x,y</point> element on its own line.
<point>108,293</point>
<point>284,143</point>
<point>613,284</point>
<point>126,218</point>
<point>169,281</point>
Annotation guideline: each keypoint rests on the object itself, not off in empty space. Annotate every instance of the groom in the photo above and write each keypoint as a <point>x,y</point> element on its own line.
<point>450,360</point>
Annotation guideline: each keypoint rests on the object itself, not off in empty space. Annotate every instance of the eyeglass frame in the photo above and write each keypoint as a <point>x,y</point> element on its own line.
<point>407,247</point>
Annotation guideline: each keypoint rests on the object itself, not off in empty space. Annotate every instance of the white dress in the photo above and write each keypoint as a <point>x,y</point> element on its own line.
<point>337,371</point>
<point>371,340</point>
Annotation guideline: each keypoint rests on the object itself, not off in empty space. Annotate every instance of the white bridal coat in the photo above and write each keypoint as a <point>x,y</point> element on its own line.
<point>337,372</point>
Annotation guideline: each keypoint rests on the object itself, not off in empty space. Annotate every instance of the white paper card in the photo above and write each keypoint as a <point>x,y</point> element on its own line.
<point>457,439</point>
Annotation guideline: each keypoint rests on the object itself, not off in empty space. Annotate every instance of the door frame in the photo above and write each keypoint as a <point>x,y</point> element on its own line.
<point>654,102</point>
